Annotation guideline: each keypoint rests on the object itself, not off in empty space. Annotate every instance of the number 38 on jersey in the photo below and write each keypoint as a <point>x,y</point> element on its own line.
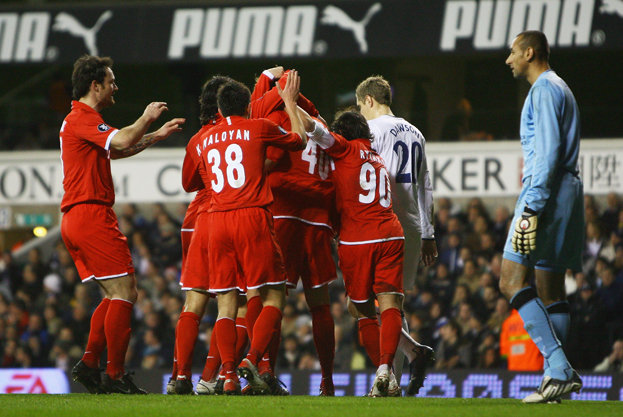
<point>234,171</point>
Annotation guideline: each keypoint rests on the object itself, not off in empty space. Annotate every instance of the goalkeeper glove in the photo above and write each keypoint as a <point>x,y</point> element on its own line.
<point>524,236</point>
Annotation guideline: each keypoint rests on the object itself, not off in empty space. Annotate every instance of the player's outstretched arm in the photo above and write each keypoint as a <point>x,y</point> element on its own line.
<point>129,135</point>
<point>119,144</point>
<point>149,139</point>
<point>289,95</point>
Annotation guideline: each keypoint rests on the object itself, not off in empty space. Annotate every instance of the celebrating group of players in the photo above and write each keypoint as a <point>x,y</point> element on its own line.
<point>274,187</point>
<point>269,203</point>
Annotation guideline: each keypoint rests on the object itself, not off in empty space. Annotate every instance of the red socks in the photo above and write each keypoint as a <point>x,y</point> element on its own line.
<point>97,336</point>
<point>243,338</point>
<point>265,328</point>
<point>117,328</point>
<point>269,360</point>
<point>186,335</point>
<point>391,329</point>
<point>254,308</point>
<point>226,339</point>
<point>370,335</point>
<point>213,361</point>
<point>323,329</point>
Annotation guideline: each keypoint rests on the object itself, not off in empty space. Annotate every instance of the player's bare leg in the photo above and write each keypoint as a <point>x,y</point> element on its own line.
<point>323,328</point>
<point>226,339</point>
<point>559,377</point>
<point>122,294</point>
<point>186,333</point>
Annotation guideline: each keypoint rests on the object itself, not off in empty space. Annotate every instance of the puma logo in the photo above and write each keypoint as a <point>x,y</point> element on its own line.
<point>334,16</point>
<point>65,22</point>
<point>612,7</point>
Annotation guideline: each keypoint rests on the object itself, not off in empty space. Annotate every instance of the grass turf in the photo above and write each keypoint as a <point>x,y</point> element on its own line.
<point>83,405</point>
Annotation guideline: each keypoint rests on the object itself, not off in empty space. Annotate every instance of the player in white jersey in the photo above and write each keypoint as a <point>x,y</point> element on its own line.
<point>402,147</point>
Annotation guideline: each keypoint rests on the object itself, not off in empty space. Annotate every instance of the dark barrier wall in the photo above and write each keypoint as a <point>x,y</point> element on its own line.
<point>454,384</point>
<point>144,33</point>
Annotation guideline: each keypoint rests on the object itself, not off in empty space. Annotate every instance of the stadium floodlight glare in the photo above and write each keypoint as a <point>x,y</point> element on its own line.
<point>40,231</point>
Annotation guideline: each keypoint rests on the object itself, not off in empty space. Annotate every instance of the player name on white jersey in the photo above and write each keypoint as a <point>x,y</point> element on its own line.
<point>404,127</point>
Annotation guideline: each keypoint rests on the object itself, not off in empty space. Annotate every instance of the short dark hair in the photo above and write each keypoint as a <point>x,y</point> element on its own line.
<point>208,108</point>
<point>87,69</point>
<point>537,40</point>
<point>352,125</point>
<point>233,98</point>
<point>376,87</point>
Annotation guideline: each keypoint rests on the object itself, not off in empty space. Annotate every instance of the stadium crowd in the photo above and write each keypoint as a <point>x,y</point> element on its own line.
<point>455,306</point>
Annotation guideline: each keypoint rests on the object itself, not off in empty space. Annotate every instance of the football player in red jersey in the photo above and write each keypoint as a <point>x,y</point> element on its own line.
<point>243,252</point>
<point>89,226</point>
<point>303,201</point>
<point>371,238</point>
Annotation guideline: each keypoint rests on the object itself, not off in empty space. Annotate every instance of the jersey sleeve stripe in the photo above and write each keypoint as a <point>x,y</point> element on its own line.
<point>109,139</point>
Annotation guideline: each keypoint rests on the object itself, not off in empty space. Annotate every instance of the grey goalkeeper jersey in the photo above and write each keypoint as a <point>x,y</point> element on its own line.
<point>402,147</point>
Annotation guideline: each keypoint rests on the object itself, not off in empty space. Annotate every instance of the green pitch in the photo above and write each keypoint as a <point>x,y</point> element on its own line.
<point>85,405</point>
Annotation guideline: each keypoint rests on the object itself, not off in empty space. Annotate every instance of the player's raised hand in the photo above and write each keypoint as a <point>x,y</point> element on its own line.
<point>290,93</point>
<point>524,236</point>
<point>169,127</point>
<point>154,110</point>
<point>277,72</point>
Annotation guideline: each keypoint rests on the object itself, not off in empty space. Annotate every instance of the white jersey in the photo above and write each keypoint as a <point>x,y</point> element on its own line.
<point>402,147</point>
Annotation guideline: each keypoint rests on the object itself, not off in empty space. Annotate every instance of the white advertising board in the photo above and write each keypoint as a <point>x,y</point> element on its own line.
<point>458,169</point>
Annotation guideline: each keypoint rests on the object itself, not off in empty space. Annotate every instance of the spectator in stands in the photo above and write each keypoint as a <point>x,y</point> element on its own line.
<point>614,361</point>
<point>587,344</point>
<point>517,347</point>
<point>610,293</point>
<point>441,285</point>
<point>451,353</point>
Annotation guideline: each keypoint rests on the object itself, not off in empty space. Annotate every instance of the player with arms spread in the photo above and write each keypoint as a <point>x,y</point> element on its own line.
<point>243,251</point>
<point>548,227</point>
<point>371,240</point>
<point>89,226</point>
<point>402,147</point>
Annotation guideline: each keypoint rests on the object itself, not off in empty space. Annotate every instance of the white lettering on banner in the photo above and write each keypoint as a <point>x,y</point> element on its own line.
<point>23,38</point>
<point>493,24</point>
<point>244,32</point>
<point>33,381</point>
<point>487,169</point>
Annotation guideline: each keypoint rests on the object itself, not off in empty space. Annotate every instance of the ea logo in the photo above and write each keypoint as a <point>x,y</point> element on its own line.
<point>103,127</point>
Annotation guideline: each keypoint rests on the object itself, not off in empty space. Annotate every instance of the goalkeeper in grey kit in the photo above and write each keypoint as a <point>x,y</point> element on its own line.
<point>548,227</point>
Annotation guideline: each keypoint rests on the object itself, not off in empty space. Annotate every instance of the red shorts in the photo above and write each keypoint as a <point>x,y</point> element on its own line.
<point>195,275</point>
<point>244,253</point>
<point>306,252</point>
<point>372,268</point>
<point>188,226</point>
<point>92,237</point>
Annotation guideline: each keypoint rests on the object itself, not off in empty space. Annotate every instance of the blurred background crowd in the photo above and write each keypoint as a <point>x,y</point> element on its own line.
<point>456,306</point>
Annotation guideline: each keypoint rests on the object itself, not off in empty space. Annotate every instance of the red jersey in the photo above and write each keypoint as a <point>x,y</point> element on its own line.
<point>234,153</point>
<point>194,175</point>
<point>301,181</point>
<point>264,100</point>
<point>363,193</point>
<point>85,157</point>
